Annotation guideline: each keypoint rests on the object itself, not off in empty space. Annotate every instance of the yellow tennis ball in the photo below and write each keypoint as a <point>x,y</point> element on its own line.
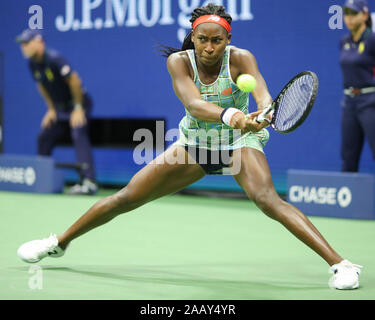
<point>246,82</point>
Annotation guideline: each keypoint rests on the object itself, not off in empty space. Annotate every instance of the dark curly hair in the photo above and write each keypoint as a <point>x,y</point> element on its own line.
<point>187,44</point>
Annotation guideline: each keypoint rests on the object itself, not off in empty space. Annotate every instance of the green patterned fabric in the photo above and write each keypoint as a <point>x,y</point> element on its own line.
<point>224,93</point>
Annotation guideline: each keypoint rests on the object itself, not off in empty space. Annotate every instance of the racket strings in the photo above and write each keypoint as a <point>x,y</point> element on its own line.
<point>294,102</point>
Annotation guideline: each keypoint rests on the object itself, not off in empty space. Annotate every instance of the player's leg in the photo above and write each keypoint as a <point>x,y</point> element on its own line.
<point>255,178</point>
<point>158,178</point>
<point>352,139</point>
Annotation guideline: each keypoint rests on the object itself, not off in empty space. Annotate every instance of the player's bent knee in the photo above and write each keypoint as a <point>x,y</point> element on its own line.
<point>267,200</point>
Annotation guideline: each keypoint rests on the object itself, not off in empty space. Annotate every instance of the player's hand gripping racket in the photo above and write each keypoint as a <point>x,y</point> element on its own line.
<point>293,104</point>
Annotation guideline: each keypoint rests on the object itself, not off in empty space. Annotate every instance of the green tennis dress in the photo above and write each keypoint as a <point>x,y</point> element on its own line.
<point>218,136</point>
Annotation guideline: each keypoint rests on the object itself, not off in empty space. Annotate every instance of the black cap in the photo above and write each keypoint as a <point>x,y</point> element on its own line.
<point>28,35</point>
<point>357,5</point>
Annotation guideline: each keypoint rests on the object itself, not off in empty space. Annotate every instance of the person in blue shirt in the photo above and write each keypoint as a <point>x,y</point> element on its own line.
<point>357,60</point>
<point>68,105</point>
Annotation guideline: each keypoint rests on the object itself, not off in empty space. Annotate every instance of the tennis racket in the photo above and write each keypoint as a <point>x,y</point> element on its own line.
<point>293,104</point>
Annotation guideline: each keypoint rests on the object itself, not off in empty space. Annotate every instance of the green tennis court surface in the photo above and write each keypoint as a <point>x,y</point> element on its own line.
<point>178,247</point>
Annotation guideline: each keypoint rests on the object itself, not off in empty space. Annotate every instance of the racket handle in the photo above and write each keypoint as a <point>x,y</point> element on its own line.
<point>263,116</point>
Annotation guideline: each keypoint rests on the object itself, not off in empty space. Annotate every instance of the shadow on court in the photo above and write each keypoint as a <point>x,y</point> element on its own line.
<point>208,287</point>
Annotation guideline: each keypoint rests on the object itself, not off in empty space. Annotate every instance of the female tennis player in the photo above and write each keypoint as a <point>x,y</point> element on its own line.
<point>202,78</point>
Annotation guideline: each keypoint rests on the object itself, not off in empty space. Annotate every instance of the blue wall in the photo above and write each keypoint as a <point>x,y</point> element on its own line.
<point>127,78</point>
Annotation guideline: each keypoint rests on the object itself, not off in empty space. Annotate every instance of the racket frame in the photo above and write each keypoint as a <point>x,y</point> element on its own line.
<point>274,106</point>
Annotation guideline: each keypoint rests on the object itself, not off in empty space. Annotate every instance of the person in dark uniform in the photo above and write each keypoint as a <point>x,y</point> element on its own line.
<point>69,106</point>
<point>357,60</point>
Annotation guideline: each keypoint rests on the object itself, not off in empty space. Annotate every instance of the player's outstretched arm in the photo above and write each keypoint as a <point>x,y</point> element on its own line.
<point>244,62</point>
<point>187,91</point>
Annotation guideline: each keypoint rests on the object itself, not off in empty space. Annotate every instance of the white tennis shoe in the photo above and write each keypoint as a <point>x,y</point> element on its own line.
<point>36,250</point>
<point>87,187</point>
<point>345,275</point>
